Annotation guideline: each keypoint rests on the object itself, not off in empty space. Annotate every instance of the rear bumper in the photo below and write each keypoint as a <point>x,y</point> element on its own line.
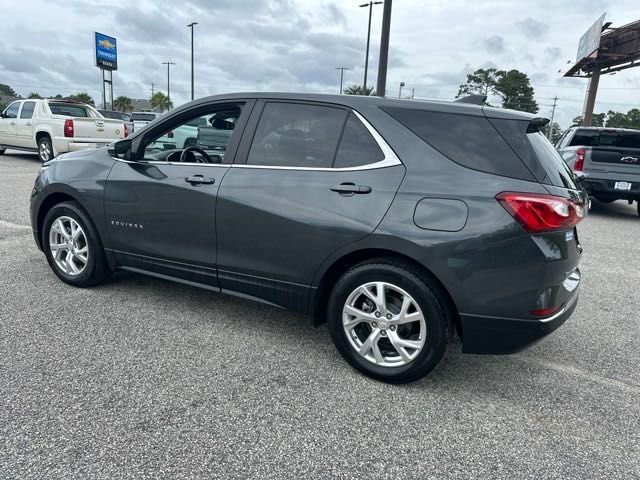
<point>605,188</point>
<point>64,145</point>
<point>501,336</point>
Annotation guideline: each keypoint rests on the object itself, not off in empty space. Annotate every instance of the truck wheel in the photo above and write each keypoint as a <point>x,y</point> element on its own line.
<point>45,149</point>
<point>2,150</point>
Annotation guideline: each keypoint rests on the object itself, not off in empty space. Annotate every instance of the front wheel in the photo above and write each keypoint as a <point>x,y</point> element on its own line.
<point>72,246</point>
<point>388,321</point>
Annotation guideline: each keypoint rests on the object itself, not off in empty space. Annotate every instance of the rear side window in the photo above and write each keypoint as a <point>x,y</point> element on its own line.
<point>357,146</point>
<point>27,109</point>
<point>585,138</point>
<point>468,140</point>
<point>296,135</point>
<point>68,110</point>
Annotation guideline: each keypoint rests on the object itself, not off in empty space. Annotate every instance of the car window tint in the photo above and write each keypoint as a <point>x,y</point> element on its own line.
<point>585,138</point>
<point>557,171</point>
<point>68,110</point>
<point>12,111</point>
<point>27,109</point>
<point>357,146</point>
<point>296,135</point>
<point>468,140</point>
<point>110,114</point>
<point>618,139</point>
<point>142,117</point>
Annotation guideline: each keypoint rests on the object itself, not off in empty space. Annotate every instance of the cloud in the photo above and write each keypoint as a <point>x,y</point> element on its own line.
<point>533,28</point>
<point>494,44</point>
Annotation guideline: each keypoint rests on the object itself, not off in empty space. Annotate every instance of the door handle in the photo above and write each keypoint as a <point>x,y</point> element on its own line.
<point>349,189</point>
<point>28,124</point>
<point>12,123</point>
<point>199,180</point>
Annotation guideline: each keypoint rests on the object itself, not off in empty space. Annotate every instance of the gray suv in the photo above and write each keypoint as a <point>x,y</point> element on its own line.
<point>398,222</point>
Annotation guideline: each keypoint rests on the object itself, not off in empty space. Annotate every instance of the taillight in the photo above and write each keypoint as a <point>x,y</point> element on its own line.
<point>544,312</point>
<point>541,213</point>
<point>579,165</point>
<point>68,128</point>
<point>170,134</point>
<point>126,130</point>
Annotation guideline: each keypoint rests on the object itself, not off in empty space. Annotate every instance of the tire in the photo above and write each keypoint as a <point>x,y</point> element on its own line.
<point>91,265</point>
<point>388,364</point>
<point>45,148</point>
<point>638,206</point>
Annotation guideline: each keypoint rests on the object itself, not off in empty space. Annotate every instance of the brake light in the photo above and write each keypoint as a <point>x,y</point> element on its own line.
<point>170,134</point>
<point>126,130</point>
<point>579,165</point>
<point>541,213</point>
<point>68,128</point>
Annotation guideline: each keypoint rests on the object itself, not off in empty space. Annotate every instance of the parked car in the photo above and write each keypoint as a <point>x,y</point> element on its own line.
<point>609,159</point>
<point>51,127</point>
<point>181,137</point>
<point>125,117</point>
<point>140,119</point>
<point>398,222</point>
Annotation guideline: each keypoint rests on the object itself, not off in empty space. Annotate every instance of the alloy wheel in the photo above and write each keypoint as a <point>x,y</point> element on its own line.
<point>45,151</point>
<point>68,245</point>
<point>384,324</point>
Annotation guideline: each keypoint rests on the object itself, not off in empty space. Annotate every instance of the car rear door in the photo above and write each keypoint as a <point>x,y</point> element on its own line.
<point>8,124</point>
<point>310,179</point>
<point>160,211</point>
<point>24,127</point>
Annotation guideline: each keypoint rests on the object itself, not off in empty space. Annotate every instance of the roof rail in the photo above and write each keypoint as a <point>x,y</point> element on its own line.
<point>472,99</point>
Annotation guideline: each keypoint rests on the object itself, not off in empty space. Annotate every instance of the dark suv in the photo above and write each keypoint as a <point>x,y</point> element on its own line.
<point>398,222</point>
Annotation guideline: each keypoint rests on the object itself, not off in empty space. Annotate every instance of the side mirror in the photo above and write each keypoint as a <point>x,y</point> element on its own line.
<point>121,149</point>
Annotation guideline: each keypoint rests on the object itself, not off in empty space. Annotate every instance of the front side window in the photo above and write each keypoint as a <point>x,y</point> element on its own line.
<point>12,110</point>
<point>209,135</point>
<point>27,109</point>
<point>297,135</point>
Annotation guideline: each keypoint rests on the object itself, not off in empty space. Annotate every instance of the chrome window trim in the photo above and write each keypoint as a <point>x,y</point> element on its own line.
<point>390,158</point>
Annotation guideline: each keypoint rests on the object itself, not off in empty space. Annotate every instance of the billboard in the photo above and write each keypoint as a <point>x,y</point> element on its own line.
<point>590,41</point>
<point>106,52</point>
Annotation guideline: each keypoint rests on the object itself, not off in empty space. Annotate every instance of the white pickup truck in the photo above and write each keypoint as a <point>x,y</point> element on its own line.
<point>51,127</point>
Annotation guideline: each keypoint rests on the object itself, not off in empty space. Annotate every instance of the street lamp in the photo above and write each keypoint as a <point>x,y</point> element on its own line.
<point>168,64</point>
<point>400,91</point>
<point>342,69</point>
<point>191,25</point>
<point>366,58</point>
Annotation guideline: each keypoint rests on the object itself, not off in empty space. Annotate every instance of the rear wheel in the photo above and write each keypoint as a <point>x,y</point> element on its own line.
<point>45,149</point>
<point>388,321</point>
<point>72,246</point>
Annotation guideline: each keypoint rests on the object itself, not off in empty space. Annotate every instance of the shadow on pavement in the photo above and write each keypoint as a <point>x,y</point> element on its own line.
<point>618,209</point>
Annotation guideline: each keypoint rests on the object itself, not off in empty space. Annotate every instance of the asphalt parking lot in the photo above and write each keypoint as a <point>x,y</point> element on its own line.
<point>141,378</point>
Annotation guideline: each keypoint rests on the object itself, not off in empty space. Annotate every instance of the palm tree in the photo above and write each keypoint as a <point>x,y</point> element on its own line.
<point>82,97</point>
<point>161,101</point>
<point>359,90</point>
<point>123,104</point>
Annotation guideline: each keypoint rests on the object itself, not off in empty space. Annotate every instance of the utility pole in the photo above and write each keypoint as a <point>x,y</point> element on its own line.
<point>366,57</point>
<point>590,98</point>
<point>400,90</point>
<point>168,64</point>
<point>342,69</point>
<point>191,25</point>
<point>384,49</point>
<point>152,89</point>
<point>413,93</point>
<point>553,112</point>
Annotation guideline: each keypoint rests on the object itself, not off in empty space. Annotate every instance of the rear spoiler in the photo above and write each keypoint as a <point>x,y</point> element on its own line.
<point>472,99</point>
<point>537,124</point>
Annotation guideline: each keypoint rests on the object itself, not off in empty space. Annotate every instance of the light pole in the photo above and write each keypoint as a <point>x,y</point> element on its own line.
<point>400,91</point>
<point>191,25</point>
<point>168,64</point>
<point>366,58</point>
<point>342,69</point>
<point>384,49</point>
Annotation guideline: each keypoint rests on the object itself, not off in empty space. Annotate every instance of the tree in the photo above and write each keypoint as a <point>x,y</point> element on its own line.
<point>631,119</point>
<point>123,104</point>
<point>161,101</point>
<point>7,90</point>
<point>597,120</point>
<point>480,82</point>
<point>34,95</point>
<point>359,90</point>
<point>516,91</point>
<point>82,97</point>
<point>556,132</point>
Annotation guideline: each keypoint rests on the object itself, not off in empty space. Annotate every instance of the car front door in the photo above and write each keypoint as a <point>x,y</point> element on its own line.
<point>160,206</point>
<point>24,128</point>
<point>8,124</point>
<point>311,179</point>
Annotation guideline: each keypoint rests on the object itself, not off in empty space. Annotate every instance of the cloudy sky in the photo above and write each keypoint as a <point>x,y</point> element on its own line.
<point>241,45</point>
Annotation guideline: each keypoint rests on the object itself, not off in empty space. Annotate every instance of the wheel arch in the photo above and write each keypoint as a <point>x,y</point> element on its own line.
<point>50,201</point>
<point>340,265</point>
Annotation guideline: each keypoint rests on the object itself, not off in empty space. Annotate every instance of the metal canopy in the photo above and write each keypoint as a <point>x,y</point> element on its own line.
<point>619,49</point>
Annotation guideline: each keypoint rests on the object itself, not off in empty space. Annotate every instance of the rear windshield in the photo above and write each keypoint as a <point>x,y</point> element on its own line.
<point>606,138</point>
<point>68,110</point>
<point>142,117</point>
<point>114,115</point>
<point>557,171</point>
